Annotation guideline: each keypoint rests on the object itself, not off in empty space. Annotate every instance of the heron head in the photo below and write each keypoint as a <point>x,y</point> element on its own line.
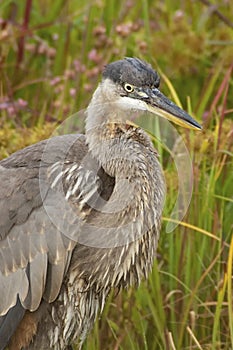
<point>132,84</point>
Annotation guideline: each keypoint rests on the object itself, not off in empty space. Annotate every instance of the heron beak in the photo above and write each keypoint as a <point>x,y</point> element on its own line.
<point>159,104</point>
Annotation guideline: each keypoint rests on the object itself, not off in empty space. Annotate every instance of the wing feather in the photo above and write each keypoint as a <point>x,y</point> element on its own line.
<point>36,274</point>
<point>8,290</point>
<point>55,275</point>
<point>35,250</point>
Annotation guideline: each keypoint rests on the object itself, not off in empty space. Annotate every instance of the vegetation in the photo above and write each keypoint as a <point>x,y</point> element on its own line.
<point>51,56</point>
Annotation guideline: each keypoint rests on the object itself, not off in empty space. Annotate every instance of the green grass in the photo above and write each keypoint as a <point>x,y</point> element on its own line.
<point>51,57</point>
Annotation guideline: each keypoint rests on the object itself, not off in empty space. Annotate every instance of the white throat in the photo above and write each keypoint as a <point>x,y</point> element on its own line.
<point>107,105</point>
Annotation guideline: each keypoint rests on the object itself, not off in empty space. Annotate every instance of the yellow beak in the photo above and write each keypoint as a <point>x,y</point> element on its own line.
<point>159,104</point>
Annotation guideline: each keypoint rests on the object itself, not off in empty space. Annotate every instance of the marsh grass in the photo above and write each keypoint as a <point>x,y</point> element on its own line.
<point>52,53</point>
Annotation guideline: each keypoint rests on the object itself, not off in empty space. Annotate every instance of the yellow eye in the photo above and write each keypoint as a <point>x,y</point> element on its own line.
<point>128,87</point>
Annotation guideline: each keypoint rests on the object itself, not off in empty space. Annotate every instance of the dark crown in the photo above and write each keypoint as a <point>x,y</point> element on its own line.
<point>133,71</point>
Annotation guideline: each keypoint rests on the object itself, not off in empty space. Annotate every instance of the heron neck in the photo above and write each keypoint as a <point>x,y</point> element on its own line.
<point>114,143</point>
<point>126,154</point>
<point>106,126</point>
<point>102,108</point>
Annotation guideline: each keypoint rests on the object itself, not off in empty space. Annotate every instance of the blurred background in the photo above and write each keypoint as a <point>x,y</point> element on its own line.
<point>51,56</point>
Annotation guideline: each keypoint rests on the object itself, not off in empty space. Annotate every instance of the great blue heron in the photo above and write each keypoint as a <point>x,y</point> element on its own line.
<point>80,215</point>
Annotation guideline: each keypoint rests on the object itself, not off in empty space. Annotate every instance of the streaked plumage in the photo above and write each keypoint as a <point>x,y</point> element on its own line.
<point>80,215</point>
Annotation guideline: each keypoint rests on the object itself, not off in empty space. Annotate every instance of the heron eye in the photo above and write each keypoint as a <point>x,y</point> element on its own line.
<point>128,87</point>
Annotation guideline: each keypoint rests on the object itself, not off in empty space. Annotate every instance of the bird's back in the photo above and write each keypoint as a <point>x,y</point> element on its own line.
<point>35,249</point>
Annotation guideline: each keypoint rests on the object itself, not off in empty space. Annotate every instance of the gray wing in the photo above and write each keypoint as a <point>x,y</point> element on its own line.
<point>38,225</point>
